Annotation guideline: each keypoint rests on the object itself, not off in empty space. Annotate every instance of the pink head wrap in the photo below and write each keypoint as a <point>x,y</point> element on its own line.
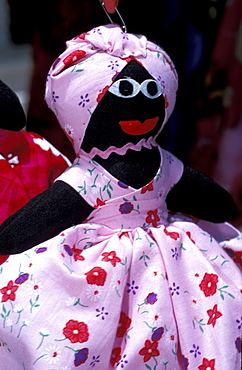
<point>85,70</point>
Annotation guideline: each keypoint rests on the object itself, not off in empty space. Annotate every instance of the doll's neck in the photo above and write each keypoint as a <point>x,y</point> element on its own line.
<point>134,168</point>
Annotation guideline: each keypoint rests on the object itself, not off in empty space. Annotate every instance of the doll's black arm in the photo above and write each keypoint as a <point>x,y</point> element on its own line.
<point>42,218</point>
<point>198,195</point>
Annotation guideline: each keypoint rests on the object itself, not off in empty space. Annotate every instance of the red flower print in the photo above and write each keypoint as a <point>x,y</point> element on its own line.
<point>99,203</point>
<point>172,234</point>
<point>148,187</point>
<point>82,36</point>
<point>102,93</point>
<point>3,259</point>
<point>115,356</point>
<point>152,217</point>
<point>124,233</point>
<point>76,331</point>
<point>131,57</point>
<point>238,257</point>
<point>213,314</point>
<point>189,236</point>
<point>207,364</point>
<point>166,102</point>
<point>77,254</point>
<point>235,255</point>
<point>209,284</point>
<point>96,276</point>
<point>149,350</point>
<point>123,325</point>
<point>111,257</point>
<point>72,58</point>
<point>8,292</point>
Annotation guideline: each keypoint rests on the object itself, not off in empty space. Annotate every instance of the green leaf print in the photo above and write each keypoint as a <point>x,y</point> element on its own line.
<point>199,323</point>
<point>144,257</point>
<point>34,304</point>
<point>83,188</point>
<point>222,292</point>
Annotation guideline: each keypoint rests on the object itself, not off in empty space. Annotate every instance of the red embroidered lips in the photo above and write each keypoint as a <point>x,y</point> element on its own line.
<point>138,128</point>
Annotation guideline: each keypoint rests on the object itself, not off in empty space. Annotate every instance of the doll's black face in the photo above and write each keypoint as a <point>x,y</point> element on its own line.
<point>131,109</point>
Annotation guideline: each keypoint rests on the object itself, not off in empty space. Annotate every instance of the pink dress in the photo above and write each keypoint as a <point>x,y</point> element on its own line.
<point>131,288</point>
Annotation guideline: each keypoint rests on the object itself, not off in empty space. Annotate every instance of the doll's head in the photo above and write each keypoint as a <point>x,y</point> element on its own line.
<point>111,91</point>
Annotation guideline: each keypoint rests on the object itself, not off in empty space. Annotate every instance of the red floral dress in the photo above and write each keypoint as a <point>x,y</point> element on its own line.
<point>131,288</point>
<point>28,166</point>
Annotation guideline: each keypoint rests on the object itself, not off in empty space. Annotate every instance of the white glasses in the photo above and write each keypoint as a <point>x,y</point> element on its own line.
<point>128,88</point>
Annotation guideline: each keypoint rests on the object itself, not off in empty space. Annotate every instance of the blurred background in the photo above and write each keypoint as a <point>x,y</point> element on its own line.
<point>203,38</point>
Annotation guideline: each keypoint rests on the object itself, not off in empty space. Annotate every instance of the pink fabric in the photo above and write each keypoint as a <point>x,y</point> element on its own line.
<point>75,85</point>
<point>132,288</point>
<point>28,166</point>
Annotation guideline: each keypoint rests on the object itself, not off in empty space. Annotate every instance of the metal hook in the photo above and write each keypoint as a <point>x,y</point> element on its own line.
<point>109,17</point>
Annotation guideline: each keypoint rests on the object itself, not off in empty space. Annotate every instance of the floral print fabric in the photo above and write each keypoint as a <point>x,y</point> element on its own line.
<point>131,288</point>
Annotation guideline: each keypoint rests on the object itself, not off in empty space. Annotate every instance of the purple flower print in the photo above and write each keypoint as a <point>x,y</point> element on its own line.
<point>174,289</point>
<point>54,96</point>
<point>81,356</point>
<point>101,313</point>
<point>41,250</point>
<point>113,64</point>
<point>151,298</point>
<point>84,100</point>
<point>132,287</point>
<point>68,249</point>
<point>175,253</point>
<point>95,360</point>
<point>57,61</point>
<point>185,362</point>
<point>239,321</point>
<point>126,208</point>
<point>125,36</point>
<point>169,158</point>
<point>238,344</point>
<point>162,82</point>
<point>122,185</point>
<point>22,278</point>
<point>122,362</point>
<point>195,350</point>
<point>157,334</point>
<point>97,30</point>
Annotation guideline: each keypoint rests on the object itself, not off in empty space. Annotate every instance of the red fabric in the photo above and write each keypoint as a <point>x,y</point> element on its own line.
<point>26,169</point>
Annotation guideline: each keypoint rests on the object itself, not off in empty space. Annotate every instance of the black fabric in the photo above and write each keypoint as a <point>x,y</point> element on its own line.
<point>135,169</point>
<point>198,195</point>
<point>104,130</point>
<point>42,218</point>
<point>12,114</point>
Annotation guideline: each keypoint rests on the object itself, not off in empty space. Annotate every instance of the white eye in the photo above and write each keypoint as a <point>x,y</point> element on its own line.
<point>151,89</point>
<point>125,88</point>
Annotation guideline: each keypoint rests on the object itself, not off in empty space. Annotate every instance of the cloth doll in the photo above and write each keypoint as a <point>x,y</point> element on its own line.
<point>28,163</point>
<point>117,276</point>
